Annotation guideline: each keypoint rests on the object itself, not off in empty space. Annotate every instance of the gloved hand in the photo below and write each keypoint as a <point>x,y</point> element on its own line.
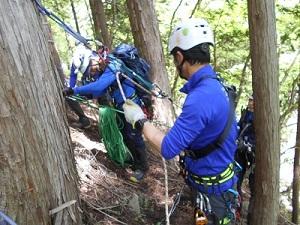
<point>68,91</point>
<point>133,112</point>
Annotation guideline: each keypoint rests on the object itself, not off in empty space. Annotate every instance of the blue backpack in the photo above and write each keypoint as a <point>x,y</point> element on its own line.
<point>129,55</point>
<point>137,69</point>
<point>133,65</point>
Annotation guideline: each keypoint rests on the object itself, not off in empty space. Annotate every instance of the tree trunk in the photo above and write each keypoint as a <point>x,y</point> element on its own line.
<point>75,16</point>
<point>265,71</point>
<point>242,81</point>
<point>87,5</point>
<point>38,171</point>
<point>53,52</point>
<point>147,39</point>
<point>99,19</point>
<point>296,180</point>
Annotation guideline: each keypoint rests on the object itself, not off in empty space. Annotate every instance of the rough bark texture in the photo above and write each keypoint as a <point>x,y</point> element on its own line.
<point>264,60</point>
<point>99,19</point>
<point>147,39</point>
<point>37,164</point>
<point>55,60</point>
<point>296,180</point>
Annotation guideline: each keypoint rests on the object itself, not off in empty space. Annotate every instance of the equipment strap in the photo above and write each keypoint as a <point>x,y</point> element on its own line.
<point>200,153</point>
<point>60,22</point>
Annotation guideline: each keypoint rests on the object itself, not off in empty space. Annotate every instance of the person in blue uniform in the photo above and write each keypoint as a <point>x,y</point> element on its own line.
<point>203,119</point>
<point>245,154</point>
<point>81,59</point>
<point>101,71</point>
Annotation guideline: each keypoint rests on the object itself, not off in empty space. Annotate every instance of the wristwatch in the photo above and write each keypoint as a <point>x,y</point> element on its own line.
<point>140,124</point>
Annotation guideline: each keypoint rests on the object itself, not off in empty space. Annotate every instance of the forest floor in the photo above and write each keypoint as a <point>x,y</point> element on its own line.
<point>107,195</point>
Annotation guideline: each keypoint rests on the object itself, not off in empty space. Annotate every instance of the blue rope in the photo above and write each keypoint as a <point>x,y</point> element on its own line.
<point>5,220</point>
<point>61,23</point>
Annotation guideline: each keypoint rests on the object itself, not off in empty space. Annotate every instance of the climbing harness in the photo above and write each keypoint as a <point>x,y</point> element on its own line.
<point>204,214</point>
<point>226,175</point>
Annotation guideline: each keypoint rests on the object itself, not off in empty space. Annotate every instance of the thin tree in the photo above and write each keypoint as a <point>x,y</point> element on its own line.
<point>147,39</point>
<point>296,180</point>
<point>265,73</point>
<point>100,23</point>
<point>38,171</point>
<point>75,16</point>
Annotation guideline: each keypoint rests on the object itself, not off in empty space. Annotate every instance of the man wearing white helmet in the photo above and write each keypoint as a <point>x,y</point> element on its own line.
<point>205,116</point>
<point>99,80</point>
<point>86,62</point>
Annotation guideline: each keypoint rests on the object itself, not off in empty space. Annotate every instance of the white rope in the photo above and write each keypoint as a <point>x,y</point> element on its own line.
<point>120,86</point>
<point>166,192</point>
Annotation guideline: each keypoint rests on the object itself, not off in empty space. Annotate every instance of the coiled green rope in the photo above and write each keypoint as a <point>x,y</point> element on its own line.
<point>109,125</point>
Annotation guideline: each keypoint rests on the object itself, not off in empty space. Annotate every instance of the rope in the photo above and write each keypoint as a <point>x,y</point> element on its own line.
<point>91,105</point>
<point>109,125</point>
<point>120,86</point>
<point>166,192</point>
<point>176,201</point>
<point>61,23</point>
<point>159,94</point>
<point>7,220</point>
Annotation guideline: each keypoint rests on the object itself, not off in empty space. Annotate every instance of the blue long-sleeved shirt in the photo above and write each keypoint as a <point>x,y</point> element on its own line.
<point>106,80</point>
<point>203,118</point>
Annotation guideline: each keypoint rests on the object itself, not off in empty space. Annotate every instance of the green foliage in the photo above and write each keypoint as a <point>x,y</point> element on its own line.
<point>288,32</point>
<point>118,21</point>
<point>229,21</point>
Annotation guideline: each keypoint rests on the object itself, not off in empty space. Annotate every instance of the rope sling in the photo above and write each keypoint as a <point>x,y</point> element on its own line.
<point>109,125</point>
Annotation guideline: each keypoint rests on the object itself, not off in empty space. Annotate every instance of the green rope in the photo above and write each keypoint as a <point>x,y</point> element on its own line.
<point>109,125</point>
<point>87,102</point>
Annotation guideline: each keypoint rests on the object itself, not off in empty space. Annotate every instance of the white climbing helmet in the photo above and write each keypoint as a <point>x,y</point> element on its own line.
<point>190,33</point>
<point>81,58</point>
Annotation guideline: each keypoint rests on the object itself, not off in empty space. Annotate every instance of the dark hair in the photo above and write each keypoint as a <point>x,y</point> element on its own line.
<point>197,54</point>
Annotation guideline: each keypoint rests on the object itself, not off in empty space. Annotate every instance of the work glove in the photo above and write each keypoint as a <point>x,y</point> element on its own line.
<point>68,91</point>
<point>133,112</point>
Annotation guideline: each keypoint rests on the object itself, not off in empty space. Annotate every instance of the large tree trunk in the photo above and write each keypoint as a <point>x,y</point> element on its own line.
<point>296,180</point>
<point>55,56</point>
<point>99,19</point>
<point>264,60</point>
<point>147,39</point>
<point>38,172</point>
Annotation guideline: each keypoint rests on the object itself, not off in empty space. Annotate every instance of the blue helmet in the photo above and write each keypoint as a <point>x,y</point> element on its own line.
<point>125,51</point>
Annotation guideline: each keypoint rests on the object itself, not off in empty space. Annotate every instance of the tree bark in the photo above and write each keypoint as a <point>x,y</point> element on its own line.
<point>75,16</point>
<point>147,39</point>
<point>265,71</point>
<point>296,179</point>
<point>38,171</point>
<point>99,18</point>
<point>55,60</point>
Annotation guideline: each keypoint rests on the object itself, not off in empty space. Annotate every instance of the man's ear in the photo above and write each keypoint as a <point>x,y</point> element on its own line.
<point>178,58</point>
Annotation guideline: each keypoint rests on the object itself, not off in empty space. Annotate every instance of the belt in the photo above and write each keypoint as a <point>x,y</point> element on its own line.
<point>226,175</point>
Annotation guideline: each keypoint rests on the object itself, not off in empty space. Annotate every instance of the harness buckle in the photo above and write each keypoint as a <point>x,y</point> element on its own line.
<point>183,172</point>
